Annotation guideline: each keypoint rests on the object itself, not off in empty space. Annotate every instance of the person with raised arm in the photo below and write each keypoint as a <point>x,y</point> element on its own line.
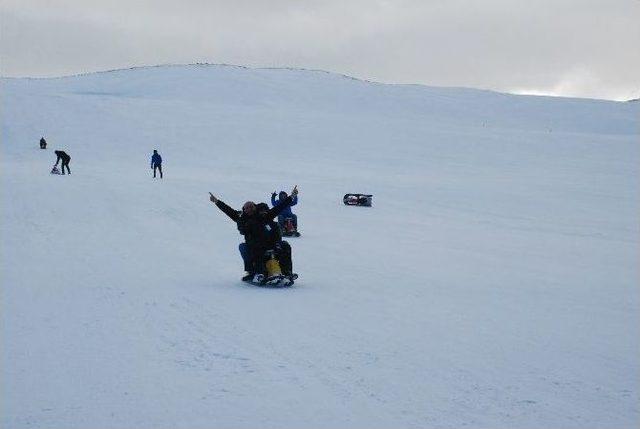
<point>256,226</point>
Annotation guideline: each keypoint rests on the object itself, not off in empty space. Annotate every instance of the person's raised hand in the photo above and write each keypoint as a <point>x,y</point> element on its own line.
<point>294,191</point>
<point>212,198</point>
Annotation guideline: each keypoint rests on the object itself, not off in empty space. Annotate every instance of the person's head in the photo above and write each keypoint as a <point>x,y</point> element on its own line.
<point>262,209</point>
<point>249,208</point>
<point>155,151</point>
<point>282,195</point>
<point>56,152</point>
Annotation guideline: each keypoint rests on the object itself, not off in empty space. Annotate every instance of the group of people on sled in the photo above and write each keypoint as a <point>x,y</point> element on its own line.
<point>266,256</point>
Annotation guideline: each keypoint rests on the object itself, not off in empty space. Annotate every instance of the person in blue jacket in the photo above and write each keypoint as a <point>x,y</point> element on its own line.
<point>287,211</point>
<point>156,163</point>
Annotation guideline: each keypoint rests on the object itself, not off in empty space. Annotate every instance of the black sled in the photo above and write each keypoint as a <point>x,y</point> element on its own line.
<point>364,200</point>
<point>278,281</point>
<point>273,276</point>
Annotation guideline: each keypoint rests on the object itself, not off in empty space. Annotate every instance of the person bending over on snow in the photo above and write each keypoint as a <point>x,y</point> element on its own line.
<point>43,143</point>
<point>287,211</point>
<point>156,163</point>
<point>62,156</point>
<point>254,228</point>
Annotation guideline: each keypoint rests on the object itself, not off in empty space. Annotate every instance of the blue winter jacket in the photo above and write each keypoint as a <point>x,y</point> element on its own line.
<point>156,159</point>
<point>287,210</point>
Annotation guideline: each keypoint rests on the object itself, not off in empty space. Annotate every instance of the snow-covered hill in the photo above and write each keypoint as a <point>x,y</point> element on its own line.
<point>493,284</point>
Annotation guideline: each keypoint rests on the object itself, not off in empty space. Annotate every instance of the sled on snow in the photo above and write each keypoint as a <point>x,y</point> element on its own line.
<point>364,200</point>
<point>289,228</point>
<point>274,277</point>
<point>278,281</point>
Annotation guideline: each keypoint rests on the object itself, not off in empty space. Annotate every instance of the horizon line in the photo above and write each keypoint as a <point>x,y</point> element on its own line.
<point>515,92</point>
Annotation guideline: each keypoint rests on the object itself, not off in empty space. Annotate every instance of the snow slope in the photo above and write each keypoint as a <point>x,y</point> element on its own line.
<point>493,284</point>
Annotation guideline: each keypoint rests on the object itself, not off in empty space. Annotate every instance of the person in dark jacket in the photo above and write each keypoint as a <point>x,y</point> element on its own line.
<point>65,158</point>
<point>248,210</point>
<point>287,211</point>
<point>156,163</point>
<point>43,143</point>
<point>274,240</point>
<point>257,233</point>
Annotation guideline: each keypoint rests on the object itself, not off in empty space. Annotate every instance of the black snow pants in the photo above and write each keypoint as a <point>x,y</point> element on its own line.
<point>65,163</point>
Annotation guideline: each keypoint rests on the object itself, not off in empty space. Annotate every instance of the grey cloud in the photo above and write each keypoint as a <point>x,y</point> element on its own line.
<point>566,47</point>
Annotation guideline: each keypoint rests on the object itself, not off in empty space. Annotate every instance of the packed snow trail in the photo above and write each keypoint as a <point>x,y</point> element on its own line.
<point>494,283</point>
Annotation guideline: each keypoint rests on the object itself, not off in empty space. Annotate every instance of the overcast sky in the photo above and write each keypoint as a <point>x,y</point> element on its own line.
<point>584,48</point>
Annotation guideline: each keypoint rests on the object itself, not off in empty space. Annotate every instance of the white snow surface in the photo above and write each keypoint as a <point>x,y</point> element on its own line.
<point>493,284</point>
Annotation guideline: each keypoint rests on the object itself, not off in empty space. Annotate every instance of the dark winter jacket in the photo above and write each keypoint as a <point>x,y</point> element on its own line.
<point>156,159</point>
<point>62,155</point>
<point>287,210</point>
<point>260,232</point>
<point>274,234</point>
<point>256,228</point>
<point>233,214</point>
<point>272,231</point>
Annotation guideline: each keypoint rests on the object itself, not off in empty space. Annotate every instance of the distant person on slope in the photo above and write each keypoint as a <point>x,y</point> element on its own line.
<point>286,212</point>
<point>156,163</point>
<point>43,143</point>
<point>65,158</point>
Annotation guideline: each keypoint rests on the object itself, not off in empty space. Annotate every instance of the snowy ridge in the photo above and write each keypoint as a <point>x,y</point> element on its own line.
<point>492,284</point>
<point>316,90</point>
